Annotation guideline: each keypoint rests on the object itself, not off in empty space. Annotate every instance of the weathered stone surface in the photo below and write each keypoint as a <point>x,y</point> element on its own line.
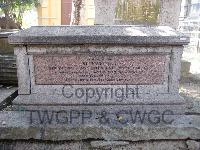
<point>23,70</point>
<point>105,12</point>
<point>97,49</point>
<point>7,95</point>
<point>154,145</point>
<point>185,68</point>
<point>108,144</point>
<point>68,35</point>
<point>128,112</point>
<point>35,145</point>
<point>44,86</point>
<point>169,13</point>
<point>74,145</point>
<point>57,90</point>
<point>174,69</point>
<point>6,92</point>
<point>8,69</point>
<point>193,145</point>
<point>99,69</point>
<point>17,126</point>
<point>6,33</point>
<point>70,97</point>
<point>100,113</point>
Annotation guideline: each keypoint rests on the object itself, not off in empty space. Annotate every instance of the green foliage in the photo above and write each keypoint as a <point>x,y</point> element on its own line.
<point>143,11</point>
<point>14,9</point>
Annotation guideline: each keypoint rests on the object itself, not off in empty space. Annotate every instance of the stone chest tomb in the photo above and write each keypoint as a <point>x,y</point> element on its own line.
<point>112,68</point>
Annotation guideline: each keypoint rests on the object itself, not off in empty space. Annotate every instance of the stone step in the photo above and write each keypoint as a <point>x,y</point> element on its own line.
<point>23,126</point>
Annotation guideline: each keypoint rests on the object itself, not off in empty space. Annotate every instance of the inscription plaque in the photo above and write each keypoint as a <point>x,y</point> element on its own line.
<point>99,69</point>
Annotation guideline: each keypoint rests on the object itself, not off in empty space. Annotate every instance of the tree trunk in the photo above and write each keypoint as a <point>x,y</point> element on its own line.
<point>76,12</point>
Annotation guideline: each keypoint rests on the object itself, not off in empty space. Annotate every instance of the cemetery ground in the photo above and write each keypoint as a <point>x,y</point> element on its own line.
<point>189,89</point>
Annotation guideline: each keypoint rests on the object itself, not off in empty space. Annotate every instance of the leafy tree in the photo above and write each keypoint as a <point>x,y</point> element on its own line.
<point>13,12</point>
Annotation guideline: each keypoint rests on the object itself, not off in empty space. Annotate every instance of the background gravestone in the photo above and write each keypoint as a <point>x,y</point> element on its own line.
<point>8,70</point>
<point>104,12</point>
<point>146,12</point>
